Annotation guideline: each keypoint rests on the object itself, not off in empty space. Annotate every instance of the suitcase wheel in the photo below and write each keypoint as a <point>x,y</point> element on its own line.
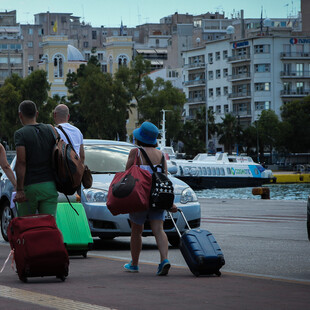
<point>62,278</point>
<point>23,279</point>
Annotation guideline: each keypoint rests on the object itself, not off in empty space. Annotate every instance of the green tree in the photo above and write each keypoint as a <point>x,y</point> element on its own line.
<point>228,132</point>
<point>295,133</point>
<point>268,131</point>
<point>10,99</point>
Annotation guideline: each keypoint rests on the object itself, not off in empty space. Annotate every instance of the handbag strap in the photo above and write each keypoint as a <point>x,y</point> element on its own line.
<point>64,132</point>
<point>150,162</point>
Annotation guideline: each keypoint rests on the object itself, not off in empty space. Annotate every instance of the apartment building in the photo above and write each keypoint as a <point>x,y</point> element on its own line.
<point>265,69</point>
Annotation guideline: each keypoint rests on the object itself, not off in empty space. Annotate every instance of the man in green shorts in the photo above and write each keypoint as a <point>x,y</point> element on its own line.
<point>36,189</point>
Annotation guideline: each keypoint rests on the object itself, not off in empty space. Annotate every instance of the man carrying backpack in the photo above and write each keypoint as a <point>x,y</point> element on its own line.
<point>36,189</point>
<point>66,130</point>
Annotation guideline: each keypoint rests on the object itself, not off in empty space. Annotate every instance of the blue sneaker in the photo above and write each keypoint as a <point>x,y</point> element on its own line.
<point>130,268</point>
<point>163,268</point>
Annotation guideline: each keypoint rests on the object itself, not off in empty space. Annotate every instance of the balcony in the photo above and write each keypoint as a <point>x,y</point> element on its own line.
<point>240,95</point>
<point>242,113</point>
<point>239,77</point>
<point>239,58</point>
<point>197,82</point>
<point>195,66</point>
<point>295,93</point>
<point>295,74</point>
<point>196,100</point>
<point>294,55</point>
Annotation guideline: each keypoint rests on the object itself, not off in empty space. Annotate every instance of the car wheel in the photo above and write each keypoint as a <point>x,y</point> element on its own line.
<point>174,241</point>
<point>6,216</point>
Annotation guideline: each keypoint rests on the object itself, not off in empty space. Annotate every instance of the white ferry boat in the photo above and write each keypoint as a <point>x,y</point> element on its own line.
<point>221,171</point>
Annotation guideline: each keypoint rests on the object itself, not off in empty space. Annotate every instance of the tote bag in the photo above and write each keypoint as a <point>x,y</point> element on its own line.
<point>130,190</point>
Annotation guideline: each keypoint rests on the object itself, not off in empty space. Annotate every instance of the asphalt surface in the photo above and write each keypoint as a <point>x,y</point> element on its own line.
<point>99,282</point>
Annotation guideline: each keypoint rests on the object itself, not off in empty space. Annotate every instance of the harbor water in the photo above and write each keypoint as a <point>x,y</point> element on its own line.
<point>296,191</point>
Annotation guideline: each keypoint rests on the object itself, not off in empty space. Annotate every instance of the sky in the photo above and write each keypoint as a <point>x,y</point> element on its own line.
<point>110,13</point>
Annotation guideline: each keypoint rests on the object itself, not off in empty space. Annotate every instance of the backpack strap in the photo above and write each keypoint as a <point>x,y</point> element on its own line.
<point>66,135</point>
<point>55,132</point>
<point>150,163</point>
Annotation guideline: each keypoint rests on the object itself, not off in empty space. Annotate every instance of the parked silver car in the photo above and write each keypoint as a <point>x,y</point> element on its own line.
<point>104,158</point>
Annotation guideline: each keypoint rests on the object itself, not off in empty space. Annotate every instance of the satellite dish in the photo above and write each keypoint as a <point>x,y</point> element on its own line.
<point>267,22</point>
<point>230,30</point>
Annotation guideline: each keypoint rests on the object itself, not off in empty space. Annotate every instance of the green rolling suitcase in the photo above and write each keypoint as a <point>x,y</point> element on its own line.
<point>75,229</point>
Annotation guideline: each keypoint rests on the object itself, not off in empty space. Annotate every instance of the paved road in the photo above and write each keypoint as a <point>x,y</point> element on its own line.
<point>267,267</point>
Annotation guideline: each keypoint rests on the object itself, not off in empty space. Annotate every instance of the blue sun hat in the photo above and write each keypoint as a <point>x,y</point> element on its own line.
<point>147,133</point>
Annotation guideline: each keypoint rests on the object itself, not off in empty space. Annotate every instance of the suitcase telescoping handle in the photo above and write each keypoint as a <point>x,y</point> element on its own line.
<point>174,223</point>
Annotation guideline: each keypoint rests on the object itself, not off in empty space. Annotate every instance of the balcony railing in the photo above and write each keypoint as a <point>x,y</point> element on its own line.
<point>197,99</point>
<point>295,74</point>
<point>195,82</point>
<point>195,65</point>
<point>242,113</point>
<point>239,95</point>
<point>241,76</point>
<point>295,92</point>
<point>245,57</point>
<point>294,55</point>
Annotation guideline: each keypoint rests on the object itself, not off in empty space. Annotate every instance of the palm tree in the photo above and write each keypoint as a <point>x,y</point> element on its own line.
<point>228,132</point>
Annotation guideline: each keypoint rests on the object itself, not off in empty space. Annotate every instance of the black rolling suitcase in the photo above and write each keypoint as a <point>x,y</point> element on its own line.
<point>200,250</point>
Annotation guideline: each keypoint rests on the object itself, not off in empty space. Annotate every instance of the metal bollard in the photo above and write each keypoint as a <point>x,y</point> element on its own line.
<point>264,192</point>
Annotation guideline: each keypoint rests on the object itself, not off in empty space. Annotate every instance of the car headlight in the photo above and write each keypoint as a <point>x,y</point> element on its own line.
<point>188,195</point>
<point>95,195</point>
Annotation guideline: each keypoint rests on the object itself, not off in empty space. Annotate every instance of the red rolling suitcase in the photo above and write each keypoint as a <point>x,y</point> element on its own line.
<point>200,250</point>
<point>38,247</point>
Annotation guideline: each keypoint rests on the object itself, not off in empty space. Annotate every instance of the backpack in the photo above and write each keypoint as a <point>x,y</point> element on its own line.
<point>162,192</point>
<point>67,166</point>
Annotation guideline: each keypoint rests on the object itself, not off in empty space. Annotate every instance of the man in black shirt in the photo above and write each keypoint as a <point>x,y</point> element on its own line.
<point>36,190</point>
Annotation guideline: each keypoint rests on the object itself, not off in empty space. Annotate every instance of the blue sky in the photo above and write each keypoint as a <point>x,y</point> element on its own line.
<point>135,12</point>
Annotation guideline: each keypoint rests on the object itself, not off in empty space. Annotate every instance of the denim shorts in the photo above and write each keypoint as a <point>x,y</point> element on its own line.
<point>151,214</point>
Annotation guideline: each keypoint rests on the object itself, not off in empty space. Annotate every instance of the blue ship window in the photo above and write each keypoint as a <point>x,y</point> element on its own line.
<point>217,171</point>
<point>204,170</point>
<point>209,170</point>
<point>222,171</point>
<point>213,171</point>
<point>228,170</point>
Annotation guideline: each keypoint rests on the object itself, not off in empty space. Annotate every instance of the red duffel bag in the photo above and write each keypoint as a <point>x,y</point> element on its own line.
<point>130,190</point>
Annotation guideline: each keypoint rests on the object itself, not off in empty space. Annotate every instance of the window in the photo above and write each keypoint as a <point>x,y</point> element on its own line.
<point>262,68</point>
<point>210,58</point>
<point>218,109</point>
<point>299,69</point>
<point>225,54</point>
<point>225,72</point>
<point>226,108</point>
<point>100,56</point>
<point>210,92</point>
<point>218,91</point>
<point>30,58</point>
<point>94,35</point>
<point>85,44</point>
<point>211,109</point>
<point>262,86</point>
<point>210,75</point>
<point>30,44</point>
<point>300,87</point>
<point>58,66</point>
<point>104,68</point>
<point>30,31</point>
<point>262,105</point>
<point>263,48</point>
<point>225,90</point>
<point>218,74</point>
<point>87,56</point>
<point>122,61</point>
<point>217,56</point>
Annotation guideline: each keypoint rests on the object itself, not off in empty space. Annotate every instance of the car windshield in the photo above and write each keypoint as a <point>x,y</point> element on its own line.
<point>106,158</point>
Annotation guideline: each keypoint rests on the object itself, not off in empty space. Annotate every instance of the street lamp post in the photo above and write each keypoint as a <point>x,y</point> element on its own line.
<point>163,126</point>
<point>257,142</point>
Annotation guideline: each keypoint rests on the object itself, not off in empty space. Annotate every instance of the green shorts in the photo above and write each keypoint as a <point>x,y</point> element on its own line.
<point>41,198</point>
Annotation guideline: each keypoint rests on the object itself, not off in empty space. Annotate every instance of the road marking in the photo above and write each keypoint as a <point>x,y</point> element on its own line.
<point>49,301</point>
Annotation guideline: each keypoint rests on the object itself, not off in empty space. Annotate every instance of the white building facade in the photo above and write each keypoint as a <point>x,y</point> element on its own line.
<point>247,76</point>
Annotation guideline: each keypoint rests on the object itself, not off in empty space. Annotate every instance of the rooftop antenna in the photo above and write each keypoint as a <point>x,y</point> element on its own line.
<point>139,16</point>
<point>83,17</point>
